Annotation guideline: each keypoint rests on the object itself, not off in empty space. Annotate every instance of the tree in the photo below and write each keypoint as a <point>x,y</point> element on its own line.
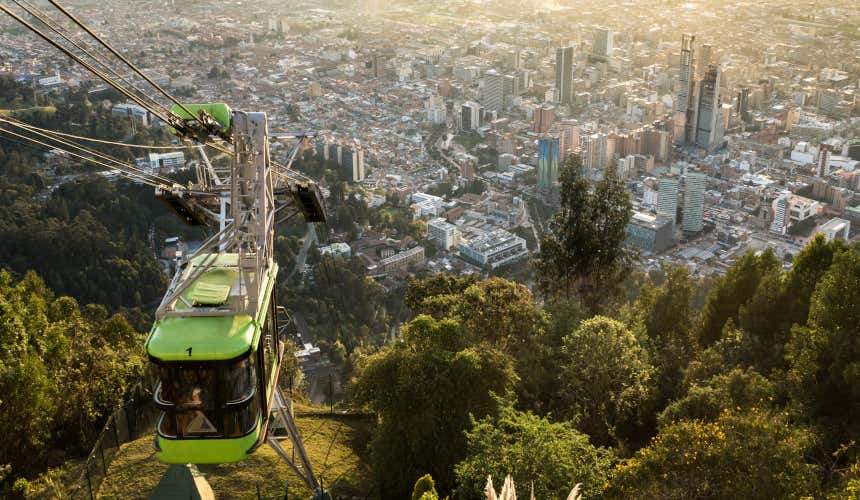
<point>666,315</point>
<point>781,301</point>
<point>739,389</point>
<point>62,372</point>
<point>496,311</point>
<point>425,489</point>
<point>732,291</point>
<point>424,390</point>
<point>584,252</point>
<point>824,357</point>
<point>605,377</point>
<point>754,455</point>
<point>533,450</point>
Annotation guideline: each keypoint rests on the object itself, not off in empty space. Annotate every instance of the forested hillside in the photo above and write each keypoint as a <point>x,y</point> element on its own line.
<point>628,384</point>
<point>63,369</point>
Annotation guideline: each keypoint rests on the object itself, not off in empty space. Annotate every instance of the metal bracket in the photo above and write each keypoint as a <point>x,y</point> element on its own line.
<point>282,427</point>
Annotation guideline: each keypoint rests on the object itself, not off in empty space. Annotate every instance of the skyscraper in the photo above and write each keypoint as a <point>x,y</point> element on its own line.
<point>705,59</point>
<point>603,43</point>
<point>694,201</point>
<point>709,128</point>
<point>744,105</point>
<point>667,198</point>
<point>544,117</point>
<point>548,169</point>
<point>493,91</point>
<point>470,116</point>
<point>823,166</point>
<point>684,109</point>
<point>594,154</point>
<point>564,74</point>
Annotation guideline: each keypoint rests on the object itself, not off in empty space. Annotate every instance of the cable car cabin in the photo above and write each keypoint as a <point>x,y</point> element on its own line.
<point>216,371</point>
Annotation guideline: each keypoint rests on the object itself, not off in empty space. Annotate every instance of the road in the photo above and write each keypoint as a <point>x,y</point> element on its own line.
<point>310,238</point>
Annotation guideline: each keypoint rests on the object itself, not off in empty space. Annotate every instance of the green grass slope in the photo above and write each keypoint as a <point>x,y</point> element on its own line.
<point>335,444</point>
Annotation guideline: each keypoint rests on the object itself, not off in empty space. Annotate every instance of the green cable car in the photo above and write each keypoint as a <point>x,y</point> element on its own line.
<point>217,370</point>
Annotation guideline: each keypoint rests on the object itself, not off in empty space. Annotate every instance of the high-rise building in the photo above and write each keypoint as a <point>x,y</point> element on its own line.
<point>780,210</point>
<point>564,75</point>
<point>547,182</point>
<point>603,43</point>
<point>568,137</point>
<point>709,123</point>
<point>497,90</point>
<point>352,158</point>
<point>470,116</point>
<point>694,201</point>
<point>705,59</point>
<point>684,109</point>
<point>443,233</point>
<point>493,91</point>
<point>823,164</point>
<point>744,105</point>
<point>436,110</point>
<point>544,116</point>
<point>594,154</point>
<point>667,198</point>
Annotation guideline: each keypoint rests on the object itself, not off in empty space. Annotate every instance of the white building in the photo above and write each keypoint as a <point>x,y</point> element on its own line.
<point>494,249</point>
<point>780,208</point>
<point>668,197</point>
<point>436,111</point>
<point>694,202</point>
<point>131,110</point>
<point>424,205</point>
<point>337,250</point>
<point>836,228</point>
<point>163,161</point>
<point>443,233</point>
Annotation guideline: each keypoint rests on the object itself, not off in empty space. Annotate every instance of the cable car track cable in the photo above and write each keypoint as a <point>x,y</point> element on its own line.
<point>45,19</point>
<point>84,63</point>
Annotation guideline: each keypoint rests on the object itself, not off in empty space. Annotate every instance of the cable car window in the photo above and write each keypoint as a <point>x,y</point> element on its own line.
<point>188,385</point>
<point>240,379</point>
<point>240,422</point>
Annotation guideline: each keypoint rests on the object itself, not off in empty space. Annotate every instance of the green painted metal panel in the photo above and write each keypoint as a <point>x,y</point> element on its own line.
<point>220,111</point>
<point>210,338</point>
<point>207,451</point>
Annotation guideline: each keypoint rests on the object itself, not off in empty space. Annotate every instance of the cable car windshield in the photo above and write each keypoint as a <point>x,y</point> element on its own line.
<point>188,385</point>
<point>207,384</point>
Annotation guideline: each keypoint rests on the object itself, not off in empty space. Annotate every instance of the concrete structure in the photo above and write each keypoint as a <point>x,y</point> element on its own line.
<point>424,205</point>
<point>436,111</point>
<point>443,233</point>
<point>564,75</point>
<point>694,202</point>
<point>352,158</point>
<point>709,129</point>
<point>544,117</point>
<point>132,111</point>
<point>684,109</point>
<point>470,116</point>
<point>603,43</point>
<point>779,224</point>
<point>496,90</point>
<point>649,233</point>
<point>337,250</point>
<point>494,249</point>
<point>836,228</point>
<point>163,161</point>
<point>401,260</point>
<point>668,198</point>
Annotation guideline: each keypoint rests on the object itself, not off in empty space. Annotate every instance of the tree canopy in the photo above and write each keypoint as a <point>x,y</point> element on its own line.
<point>584,254</point>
